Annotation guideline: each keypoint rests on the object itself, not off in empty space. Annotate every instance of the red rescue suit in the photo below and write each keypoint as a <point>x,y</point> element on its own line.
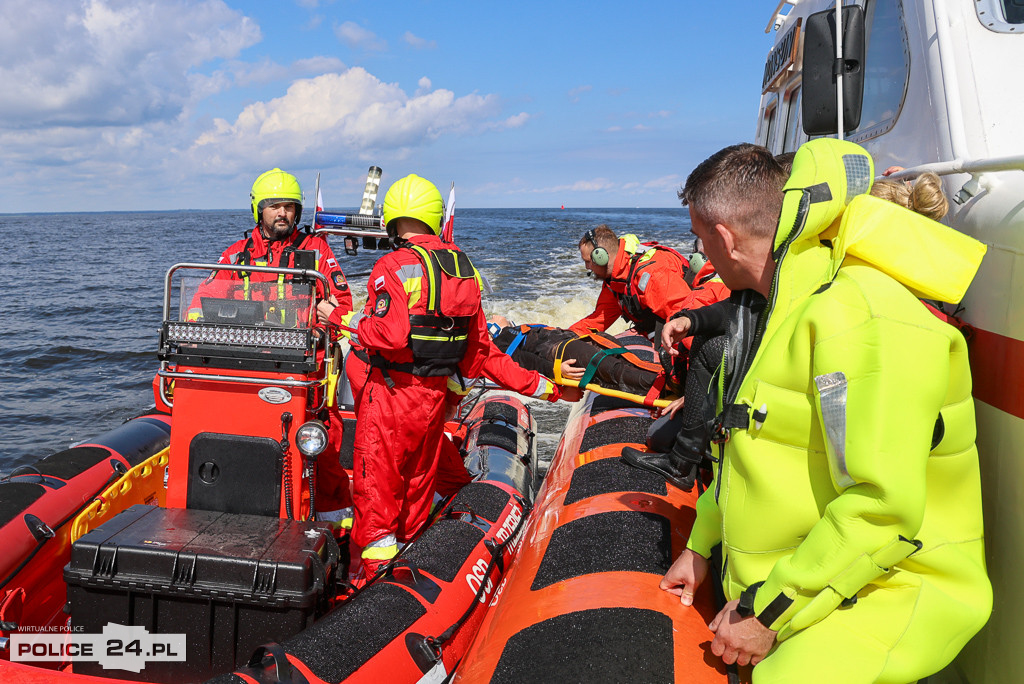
<point>708,288</point>
<point>332,482</point>
<point>499,367</point>
<point>257,251</point>
<point>644,288</point>
<point>433,308</point>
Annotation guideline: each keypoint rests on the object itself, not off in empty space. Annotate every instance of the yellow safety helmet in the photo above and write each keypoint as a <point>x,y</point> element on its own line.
<point>414,197</point>
<point>274,186</point>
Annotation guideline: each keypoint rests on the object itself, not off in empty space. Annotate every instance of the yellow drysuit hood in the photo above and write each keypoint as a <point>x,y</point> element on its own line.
<point>826,198</point>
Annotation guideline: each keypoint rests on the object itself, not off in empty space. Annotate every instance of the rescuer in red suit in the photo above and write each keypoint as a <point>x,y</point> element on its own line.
<point>422,327</point>
<point>643,284</point>
<point>501,369</point>
<point>276,200</point>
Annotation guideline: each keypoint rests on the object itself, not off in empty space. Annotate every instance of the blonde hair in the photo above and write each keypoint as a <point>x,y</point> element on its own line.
<point>925,196</point>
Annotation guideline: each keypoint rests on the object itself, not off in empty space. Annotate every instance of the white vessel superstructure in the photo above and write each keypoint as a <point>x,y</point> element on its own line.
<point>942,93</point>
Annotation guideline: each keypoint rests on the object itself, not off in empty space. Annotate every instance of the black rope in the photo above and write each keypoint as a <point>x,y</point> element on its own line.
<point>496,551</point>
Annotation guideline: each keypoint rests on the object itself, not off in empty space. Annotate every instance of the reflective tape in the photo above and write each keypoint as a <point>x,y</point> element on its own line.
<point>832,410</point>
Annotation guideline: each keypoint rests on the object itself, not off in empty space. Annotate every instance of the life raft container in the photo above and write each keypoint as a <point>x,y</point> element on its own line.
<point>38,503</point>
<point>582,602</point>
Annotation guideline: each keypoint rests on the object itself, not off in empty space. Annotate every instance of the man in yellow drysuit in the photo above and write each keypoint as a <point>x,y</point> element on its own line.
<point>847,497</point>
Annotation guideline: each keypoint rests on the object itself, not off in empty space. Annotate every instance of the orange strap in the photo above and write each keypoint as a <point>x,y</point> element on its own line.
<point>609,342</point>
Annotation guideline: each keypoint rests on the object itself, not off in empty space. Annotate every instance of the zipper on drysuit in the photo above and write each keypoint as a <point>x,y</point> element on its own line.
<point>731,389</point>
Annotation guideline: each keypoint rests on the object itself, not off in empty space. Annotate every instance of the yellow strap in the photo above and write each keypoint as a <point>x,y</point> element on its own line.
<point>598,389</point>
<point>333,375</point>
<point>434,301</point>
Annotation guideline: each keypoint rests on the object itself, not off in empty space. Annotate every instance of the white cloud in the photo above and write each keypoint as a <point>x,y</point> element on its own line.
<point>592,185</point>
<point>419,43</point>
<point>574,93</point>
<point>103,62</point>
<point>517,186</point>
<point>353,113</point>
<point>671,182</point>
<point>516,120</point>
<point>267,71</point>
<point>359,38</point>
<point>316,65</point>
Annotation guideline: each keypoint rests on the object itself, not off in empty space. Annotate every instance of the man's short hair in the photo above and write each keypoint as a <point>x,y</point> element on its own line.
<point>603,236</point>
<point>786,162</point>
<point>740,186</point>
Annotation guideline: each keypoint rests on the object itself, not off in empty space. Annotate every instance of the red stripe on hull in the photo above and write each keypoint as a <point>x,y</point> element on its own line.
<point>996,361</point>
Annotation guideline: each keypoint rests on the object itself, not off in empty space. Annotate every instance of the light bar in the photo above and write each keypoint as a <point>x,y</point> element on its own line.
<point>325,218</point>
<point>236,336</point>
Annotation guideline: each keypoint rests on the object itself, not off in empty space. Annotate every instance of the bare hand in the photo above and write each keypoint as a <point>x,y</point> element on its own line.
<point>571,371</point>
<point>672,332</point>
<point>740,640</point>
<point>891,170</point>
<point>324,308</point>
<point>671,409</point>
<point>685,575</point>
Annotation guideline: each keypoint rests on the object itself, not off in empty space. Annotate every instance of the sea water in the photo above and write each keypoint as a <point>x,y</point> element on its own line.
<point>81,301</point>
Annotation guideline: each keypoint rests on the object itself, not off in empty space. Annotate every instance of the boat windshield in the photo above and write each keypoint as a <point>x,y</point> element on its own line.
<point>228,298</point>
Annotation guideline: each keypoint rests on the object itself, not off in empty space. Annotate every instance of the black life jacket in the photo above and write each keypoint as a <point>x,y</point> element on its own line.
<point>439,326</point>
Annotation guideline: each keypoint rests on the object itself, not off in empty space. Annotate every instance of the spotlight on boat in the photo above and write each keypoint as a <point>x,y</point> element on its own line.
<point>311,438</point>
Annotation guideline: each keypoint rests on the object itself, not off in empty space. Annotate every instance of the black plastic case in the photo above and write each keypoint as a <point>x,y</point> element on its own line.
<point>229,582</point>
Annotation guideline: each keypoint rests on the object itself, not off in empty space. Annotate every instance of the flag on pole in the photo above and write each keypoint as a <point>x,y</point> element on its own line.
<point>319,202</point>
<point>449,217</point>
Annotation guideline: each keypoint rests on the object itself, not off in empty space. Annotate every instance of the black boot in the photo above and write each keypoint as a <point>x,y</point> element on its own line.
<point>660,463</point>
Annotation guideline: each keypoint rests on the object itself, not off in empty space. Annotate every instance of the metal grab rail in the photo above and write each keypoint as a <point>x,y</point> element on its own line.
<point>949,168</point>
<point>286,382</point>
<point>323,339</point>
<point>300,272</point>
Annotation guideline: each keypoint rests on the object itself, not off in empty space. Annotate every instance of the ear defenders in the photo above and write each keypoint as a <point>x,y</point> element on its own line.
<point>599,255</point>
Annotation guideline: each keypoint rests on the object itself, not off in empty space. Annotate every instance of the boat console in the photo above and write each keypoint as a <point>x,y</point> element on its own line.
<point>244,372</point>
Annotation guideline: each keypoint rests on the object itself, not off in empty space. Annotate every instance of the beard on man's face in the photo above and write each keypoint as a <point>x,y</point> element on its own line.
<point>278,230</point>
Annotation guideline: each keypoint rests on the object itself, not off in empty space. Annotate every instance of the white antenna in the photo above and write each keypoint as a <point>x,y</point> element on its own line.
<point>840,68</point>
<point>316,200</point>
<point>370,193</point>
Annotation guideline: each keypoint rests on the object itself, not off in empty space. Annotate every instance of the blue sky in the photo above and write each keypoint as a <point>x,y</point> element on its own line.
<point>153,104</point>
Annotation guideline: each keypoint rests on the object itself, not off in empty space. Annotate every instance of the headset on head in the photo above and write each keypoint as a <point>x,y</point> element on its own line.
<point>599,255</point>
